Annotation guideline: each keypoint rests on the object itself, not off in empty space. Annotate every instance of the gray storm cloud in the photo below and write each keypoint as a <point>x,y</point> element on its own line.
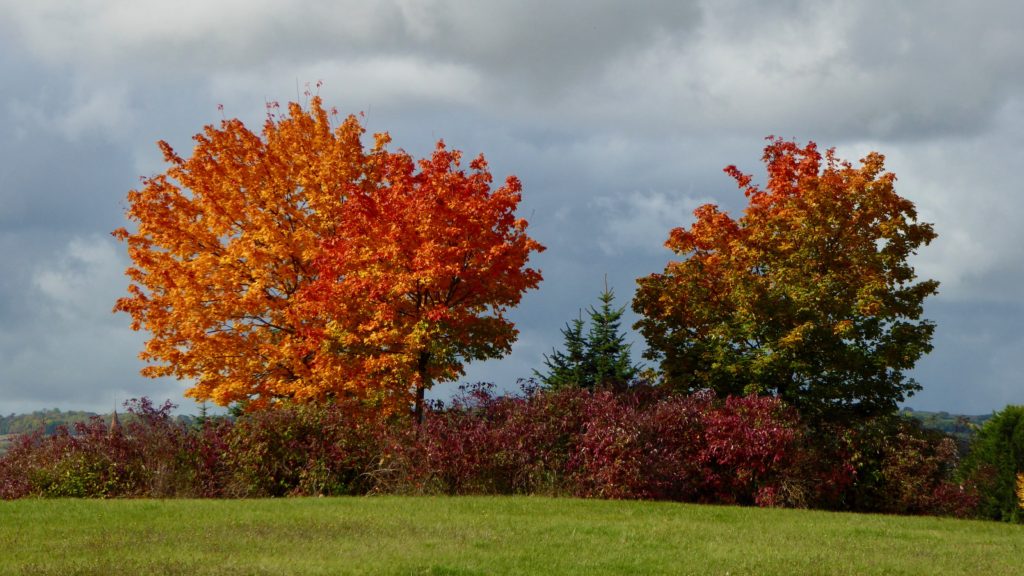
<point>617,117</point>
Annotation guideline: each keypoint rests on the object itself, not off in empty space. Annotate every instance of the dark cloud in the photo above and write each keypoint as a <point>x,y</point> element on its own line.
<point>937,68</point>
<point>617,117</point>
<point>974,368</point>
<point>60,186</point>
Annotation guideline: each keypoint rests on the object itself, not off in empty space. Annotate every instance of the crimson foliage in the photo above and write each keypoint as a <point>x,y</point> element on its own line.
<point>644,443</point>
<point>686,448</point>
<point>488,444</point>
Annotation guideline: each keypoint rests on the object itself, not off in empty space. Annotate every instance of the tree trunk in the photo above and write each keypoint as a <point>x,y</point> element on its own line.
<point>421,388</point>
<point>420,416</point>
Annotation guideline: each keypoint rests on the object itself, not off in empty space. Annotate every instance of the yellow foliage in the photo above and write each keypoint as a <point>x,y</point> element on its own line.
<point>297,263</point>
<point>809,294</point>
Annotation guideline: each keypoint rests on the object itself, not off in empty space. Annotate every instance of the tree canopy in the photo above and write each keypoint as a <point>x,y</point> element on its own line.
<point>809,295</point>
<point>298,263</point>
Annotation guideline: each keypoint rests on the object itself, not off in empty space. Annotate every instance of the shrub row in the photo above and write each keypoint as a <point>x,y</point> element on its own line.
<point>643,443</point>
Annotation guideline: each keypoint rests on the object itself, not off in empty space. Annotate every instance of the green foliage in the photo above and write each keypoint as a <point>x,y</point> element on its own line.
<point>808,296</point>
<point>599,359</point>
<point>568,369</point>
<point>995,459</point>
<point>46,420</point>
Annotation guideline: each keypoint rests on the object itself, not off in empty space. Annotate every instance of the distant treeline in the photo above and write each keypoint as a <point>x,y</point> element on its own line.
<point>49,420</point>
<point>46,420</point>
<point>957,425</point>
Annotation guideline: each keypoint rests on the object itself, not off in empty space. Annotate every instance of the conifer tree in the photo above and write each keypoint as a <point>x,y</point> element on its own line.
<point>567,369</point>
<point>607,347</point>
<point>600,359</point>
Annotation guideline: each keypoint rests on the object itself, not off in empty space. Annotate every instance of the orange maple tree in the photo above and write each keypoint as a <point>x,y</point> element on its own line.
<point>809,295</point>
<point>300,264</point>
<point>420,277</point>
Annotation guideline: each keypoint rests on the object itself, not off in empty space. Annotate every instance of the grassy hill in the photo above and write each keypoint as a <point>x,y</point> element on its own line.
<point>503,535</point>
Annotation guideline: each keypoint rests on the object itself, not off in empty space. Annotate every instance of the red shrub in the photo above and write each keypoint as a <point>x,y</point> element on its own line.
<point>151,455</point>
<point>301,449</point>
<point>641,443</point>
<point>486,444</point>
<point>631,449</point>
<point>917,468</point>
<point>686,448</point>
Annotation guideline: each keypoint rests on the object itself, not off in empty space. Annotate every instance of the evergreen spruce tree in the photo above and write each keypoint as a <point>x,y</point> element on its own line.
<point>607,347</point>
<point>570,368</point>
<point>601,359</point>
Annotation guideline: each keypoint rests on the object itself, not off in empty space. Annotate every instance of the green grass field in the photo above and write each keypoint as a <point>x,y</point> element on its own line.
<point>503,535</point>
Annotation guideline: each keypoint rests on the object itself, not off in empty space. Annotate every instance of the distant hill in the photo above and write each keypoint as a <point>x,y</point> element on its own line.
<point>52,419</point>
<point>957,425</point>
<point>47,420</point>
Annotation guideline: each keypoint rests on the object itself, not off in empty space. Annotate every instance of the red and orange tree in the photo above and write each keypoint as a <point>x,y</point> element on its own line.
<point>300,264</point>
<point>808,296</point>
<point>418,279</point>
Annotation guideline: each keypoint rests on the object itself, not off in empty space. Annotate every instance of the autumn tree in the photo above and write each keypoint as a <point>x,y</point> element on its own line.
<point>601,358</point>
<point>809,295</point>
<point>299,263</point>
<point>419,278</point>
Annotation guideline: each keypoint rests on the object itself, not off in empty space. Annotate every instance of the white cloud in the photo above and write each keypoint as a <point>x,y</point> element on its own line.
<point>969,189</point>
<point>822,70</point>
<point>105,111</point>
<point>642,220</point>
<point>364,82</point>
<point>83,281</point>
<point>71,350</point>
<point>806,69</point>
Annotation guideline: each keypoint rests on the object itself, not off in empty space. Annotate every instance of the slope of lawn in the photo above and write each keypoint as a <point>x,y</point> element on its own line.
<point>501,535</point>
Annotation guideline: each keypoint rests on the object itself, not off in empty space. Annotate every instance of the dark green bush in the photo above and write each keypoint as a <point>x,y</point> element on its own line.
<point>996,457</point>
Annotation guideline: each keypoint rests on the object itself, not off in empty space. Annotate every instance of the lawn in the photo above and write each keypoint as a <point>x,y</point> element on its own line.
<point>501,535</point>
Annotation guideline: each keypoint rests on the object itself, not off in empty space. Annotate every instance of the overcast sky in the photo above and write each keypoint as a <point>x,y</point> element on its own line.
<point>617,116</point>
